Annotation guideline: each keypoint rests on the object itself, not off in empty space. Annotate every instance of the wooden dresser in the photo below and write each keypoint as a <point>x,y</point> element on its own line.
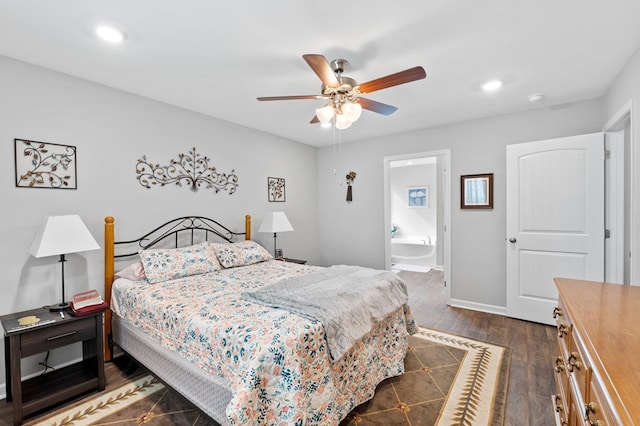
<point>597,379</point>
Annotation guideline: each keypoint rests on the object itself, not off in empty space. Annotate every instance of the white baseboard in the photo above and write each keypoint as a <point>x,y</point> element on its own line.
<point>491,309</point>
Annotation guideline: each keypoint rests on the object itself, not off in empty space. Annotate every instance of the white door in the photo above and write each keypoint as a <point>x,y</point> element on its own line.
<point>555,220</point>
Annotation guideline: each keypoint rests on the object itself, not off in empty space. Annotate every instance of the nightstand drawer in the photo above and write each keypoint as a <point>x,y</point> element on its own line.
<point>48,338</point>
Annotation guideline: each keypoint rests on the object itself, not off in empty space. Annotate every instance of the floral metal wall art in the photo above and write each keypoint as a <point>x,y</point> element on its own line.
<point>45,165</point>
<point>276,189</point>
<point>191,170</point>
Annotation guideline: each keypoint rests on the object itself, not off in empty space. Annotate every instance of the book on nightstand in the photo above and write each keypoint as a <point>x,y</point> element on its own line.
<point>86,298</point>
<point>86,303</point>
<point>87,310</point>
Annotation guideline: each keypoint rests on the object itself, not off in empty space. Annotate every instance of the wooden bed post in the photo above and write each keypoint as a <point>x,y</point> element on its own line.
<point>247,227</point>
<point>108,281</point>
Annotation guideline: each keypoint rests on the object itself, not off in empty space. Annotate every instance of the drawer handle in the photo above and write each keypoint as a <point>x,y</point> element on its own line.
<point>558,403</point>
<point>557,312</point>
<point>562,331</point>
<point>572,361</point>
<point>590,408</point>
<point>71,333</point>
<point>559,368</point>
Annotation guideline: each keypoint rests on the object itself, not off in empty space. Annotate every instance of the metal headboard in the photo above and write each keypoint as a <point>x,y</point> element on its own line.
<point>188,226</point>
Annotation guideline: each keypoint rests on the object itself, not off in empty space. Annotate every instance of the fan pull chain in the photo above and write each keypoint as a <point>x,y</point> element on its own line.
<point>335,129</point>
<point>336,148</point>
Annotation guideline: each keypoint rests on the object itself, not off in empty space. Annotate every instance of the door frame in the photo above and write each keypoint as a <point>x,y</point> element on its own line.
<point>445,155</point>
<point>617,123</point>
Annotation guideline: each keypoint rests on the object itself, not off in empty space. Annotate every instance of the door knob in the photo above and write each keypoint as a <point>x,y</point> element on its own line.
<point>512,240</point>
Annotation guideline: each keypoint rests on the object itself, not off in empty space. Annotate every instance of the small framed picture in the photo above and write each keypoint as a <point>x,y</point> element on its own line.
<point>276,189</point>
<point>418,196</point>
<point>45,165</point>
<point>476,191</point>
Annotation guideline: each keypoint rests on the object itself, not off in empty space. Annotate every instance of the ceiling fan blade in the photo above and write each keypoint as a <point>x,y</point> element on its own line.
<point>321,67</point>
<point>406,76</point>
<point>314,120</point>
<point>376,106</point>
<point>288,98</point>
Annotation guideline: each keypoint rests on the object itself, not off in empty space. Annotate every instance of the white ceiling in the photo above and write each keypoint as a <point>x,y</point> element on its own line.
<point>217,57</point>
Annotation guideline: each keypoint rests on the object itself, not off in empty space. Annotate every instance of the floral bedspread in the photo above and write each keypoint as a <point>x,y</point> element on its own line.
<point>275,363</point>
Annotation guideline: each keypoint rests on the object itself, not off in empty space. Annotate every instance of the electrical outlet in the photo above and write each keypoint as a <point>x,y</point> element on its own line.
<point>279,253</point>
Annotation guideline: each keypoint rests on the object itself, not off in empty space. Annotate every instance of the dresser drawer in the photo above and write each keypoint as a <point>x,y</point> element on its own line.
<point>564,328</point>
<point>578,367</point>
<point>560,410</point>
<point>48,338</point>
<point>596,407</point>
<point>562,379</point>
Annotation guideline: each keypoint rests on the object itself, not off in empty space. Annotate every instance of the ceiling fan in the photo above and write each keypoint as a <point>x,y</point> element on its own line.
<point>345,94</point>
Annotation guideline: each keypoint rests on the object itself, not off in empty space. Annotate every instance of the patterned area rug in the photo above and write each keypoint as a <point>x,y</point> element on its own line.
<point>448,380</point>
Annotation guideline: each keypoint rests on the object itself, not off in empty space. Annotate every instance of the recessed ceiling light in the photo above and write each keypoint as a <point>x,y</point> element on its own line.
<point>535,97</point>
<point>491,85</point>
<point>110,34</point>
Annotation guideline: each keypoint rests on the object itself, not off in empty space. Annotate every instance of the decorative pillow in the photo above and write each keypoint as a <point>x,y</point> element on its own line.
<point>241,253</point>
<point>133,272</point>
<point>167,264</point>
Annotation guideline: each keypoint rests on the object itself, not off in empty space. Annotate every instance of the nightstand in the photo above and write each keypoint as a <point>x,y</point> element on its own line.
<point>51,332</point>
<point>291,260</point>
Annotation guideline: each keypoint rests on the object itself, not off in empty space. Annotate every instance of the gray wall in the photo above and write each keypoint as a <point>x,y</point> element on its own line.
<point>111,131</point>
<point>354,232</point>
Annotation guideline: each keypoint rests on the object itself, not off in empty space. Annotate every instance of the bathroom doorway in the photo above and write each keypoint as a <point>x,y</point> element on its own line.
<point>417,196</point>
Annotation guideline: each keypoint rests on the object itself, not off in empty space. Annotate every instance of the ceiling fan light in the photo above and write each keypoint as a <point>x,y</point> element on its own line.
<point>352,110</point>
<point>342,122</point>
<point>325,114</point>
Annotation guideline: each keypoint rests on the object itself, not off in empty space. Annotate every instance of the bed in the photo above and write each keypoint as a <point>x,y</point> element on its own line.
<point>239,360</point>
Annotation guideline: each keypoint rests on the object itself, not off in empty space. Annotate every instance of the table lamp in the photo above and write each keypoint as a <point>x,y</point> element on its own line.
<point>275,222</point>
<point>61,235</point>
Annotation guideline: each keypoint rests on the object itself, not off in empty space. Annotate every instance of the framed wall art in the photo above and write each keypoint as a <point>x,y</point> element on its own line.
<point>276,189</point>
<point>418,196</point>
<point>476,191</point>
<point>45,165</point>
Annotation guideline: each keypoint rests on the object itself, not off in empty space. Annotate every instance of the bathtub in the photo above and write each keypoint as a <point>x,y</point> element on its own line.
<point>413,250</point>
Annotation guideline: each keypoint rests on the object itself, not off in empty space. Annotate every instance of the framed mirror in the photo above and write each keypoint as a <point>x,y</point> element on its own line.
<point>476,191</point>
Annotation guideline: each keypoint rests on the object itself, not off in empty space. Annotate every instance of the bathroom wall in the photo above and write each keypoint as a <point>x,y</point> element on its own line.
<point>419,221</point>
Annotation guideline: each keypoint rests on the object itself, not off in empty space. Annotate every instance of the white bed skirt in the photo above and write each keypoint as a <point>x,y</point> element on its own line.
<point>171,368</point>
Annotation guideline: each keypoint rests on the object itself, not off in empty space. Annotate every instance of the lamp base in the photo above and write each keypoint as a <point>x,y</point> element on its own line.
<point>59,307</point>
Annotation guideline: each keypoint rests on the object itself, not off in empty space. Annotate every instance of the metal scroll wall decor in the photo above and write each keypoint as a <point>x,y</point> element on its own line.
<point>191,170</point>
<point>45,165</point>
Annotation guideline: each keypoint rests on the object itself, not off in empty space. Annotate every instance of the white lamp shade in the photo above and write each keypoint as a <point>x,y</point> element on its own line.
<point>275,222</point>
<point>342,122</point>
<point>325,114</point>
<point>62,235</point>
<point>352,110</point>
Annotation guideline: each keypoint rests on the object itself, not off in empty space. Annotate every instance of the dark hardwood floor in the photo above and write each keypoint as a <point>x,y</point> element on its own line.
<point>531,379</point>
